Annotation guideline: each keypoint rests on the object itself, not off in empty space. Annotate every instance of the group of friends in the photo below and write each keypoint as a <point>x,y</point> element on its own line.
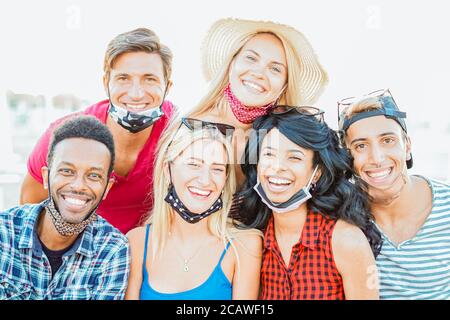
<point>249,195</point>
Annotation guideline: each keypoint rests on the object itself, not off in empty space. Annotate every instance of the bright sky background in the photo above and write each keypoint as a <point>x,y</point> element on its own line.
<point>54,47</point>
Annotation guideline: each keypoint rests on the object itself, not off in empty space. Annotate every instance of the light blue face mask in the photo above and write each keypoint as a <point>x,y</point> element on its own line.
<point>293,203</point>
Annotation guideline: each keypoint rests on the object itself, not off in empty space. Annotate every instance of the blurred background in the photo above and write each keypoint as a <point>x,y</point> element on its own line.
<point>52,56</point>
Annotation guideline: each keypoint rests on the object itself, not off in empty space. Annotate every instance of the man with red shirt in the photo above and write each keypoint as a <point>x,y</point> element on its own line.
<point>137,70</point>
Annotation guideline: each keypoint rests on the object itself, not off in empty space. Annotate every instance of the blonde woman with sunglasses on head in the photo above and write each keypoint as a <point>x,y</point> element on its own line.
<point>189,249</point>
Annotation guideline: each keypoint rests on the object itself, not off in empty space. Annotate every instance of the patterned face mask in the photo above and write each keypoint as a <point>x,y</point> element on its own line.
<point>64,228</point>
<point>245,114</point>
<point>135,121</point>
<point>187,215</point>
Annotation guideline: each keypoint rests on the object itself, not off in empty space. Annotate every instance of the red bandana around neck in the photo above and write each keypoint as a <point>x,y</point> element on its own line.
<point>245,114</point>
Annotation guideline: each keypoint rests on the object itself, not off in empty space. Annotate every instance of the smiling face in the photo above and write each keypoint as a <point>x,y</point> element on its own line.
<point>78,177</point>
<point>379,150</point>
<point>137,81</point>
<point>283,167</point>
<point>199,174</point>
<point>259,72</point>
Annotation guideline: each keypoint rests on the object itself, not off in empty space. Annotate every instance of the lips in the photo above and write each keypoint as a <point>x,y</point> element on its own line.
<point>74,203</point>
<point>278,184</point>
<point>253,87</point>
<point>378,176</point>
<point>199,193</point>
<point>136,107</point>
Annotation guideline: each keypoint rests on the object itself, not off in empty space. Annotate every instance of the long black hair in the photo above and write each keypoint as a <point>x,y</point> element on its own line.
<point>334,195</point>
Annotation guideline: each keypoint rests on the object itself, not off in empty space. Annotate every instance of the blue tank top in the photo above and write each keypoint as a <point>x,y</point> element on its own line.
<point>216,287</point>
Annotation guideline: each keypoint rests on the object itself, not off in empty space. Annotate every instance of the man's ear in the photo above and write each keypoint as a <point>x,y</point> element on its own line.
<point>408,147</point>
<point>106,83</point>
<point>168,86</point>
<point>108,187</point>
<point>44,173</point>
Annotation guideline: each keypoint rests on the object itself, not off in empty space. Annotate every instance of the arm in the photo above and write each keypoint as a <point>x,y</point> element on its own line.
<point>355,261</point>
<point>247,273</point>
<point>112,282</point>
<point>136,239</point>
<point>32,191</point>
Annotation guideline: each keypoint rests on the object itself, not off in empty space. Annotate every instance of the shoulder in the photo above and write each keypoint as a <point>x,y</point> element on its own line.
<point>104,232</point>
<point>248,241</point>
<point>347,238</point>
<point>136,236</point>
<point>98,109</point>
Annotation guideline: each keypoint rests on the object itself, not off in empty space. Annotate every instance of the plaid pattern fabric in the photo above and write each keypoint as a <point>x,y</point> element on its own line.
<point>311,274</point>
<point>96,267</point>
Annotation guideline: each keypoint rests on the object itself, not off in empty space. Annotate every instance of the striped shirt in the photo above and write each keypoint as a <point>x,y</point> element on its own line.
<point>419,268</point>
<point>96,267</point>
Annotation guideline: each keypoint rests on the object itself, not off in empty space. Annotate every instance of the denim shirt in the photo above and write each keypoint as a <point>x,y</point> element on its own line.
<point>96,267</point>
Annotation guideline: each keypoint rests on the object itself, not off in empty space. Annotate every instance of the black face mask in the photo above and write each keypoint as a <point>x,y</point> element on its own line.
<point>187,215</point>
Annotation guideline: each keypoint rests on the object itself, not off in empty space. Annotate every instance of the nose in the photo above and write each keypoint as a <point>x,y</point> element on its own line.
<point>204,176</point>
<point>278,164</point>
<point>377,155</point>
<point>136,92</point>
<point>78,183</point>
<point>257,70</point>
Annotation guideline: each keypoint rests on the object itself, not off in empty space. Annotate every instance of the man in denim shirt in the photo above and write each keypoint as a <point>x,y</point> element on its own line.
<point>60,248</point>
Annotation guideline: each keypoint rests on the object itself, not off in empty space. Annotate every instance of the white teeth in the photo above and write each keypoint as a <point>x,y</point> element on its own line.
<point>278,181</point>
<point>199,191</point>
<point>76,202</point>
<point>379,174</point>
<point>253,85</point>
<point>135,106</point>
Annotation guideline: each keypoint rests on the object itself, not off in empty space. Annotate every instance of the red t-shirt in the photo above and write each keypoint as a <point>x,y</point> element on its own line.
<point>130,198</point>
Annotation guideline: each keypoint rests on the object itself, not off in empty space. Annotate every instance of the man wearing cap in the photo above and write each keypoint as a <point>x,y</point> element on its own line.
<point>412,212</point>
<point>60,249</point>
<point>137,71</point>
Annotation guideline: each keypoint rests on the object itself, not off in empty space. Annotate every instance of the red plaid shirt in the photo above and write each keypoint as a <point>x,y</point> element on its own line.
<point>311,274</point>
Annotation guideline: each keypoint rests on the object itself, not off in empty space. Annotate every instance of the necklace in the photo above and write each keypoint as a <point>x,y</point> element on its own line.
<point>186,260</point>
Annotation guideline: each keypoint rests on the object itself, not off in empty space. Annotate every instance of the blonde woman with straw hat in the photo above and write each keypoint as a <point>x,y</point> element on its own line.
<point>251,66</point>
<point>189,249</point>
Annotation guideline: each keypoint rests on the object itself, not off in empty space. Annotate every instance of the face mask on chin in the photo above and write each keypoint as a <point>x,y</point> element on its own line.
<point>64,228</point>
<point>135,122</point>
<point>293,203</point>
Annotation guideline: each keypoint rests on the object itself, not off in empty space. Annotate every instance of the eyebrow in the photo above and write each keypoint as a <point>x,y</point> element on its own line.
<point>72,165</point>
<point>379,136</point>
<point>203,161</point>
<point>275,62</point>
<point>290,150</point>
<point>127,75</point>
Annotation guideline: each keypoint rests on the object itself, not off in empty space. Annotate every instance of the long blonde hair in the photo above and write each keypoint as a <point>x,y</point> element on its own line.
<point>214,97</point>
<point>162,215</point>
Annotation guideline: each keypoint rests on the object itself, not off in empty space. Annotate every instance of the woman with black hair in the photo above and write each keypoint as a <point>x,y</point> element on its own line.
<point>319,242</point>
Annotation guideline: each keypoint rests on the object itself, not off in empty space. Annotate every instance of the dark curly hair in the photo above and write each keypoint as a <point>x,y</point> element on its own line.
<point>334,195</point>
<point>87,127</point>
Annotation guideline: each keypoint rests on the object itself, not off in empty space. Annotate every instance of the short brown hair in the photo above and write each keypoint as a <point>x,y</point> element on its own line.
<point>140,39</point>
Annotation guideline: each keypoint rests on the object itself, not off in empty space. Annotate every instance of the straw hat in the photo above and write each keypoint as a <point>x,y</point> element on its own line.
<point>225,35</point>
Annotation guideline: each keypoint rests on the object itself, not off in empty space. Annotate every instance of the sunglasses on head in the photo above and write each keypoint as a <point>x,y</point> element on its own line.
<point>196,124</point>
<point>303,110</point>
<point>347,102</point>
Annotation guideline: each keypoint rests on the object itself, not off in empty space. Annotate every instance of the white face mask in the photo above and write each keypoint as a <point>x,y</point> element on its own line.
<point>293,203</point>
